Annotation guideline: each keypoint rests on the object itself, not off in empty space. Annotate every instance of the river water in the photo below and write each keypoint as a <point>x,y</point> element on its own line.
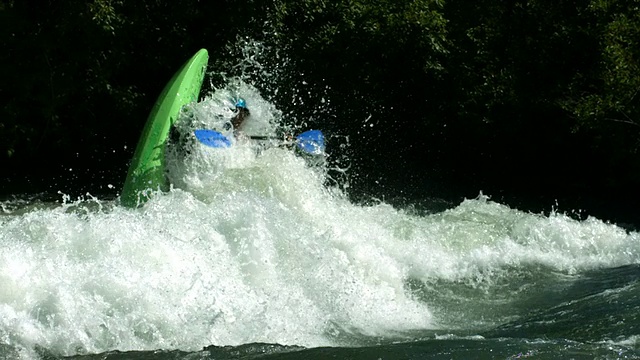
<point>255,254</point>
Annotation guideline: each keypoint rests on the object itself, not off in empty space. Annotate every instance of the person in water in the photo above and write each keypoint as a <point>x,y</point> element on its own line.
<point>241,115</point>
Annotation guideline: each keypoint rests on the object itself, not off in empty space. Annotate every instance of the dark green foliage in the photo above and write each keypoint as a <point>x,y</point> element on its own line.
<point>381,61</point>
<point>536,98</point>
<point>78,79</point>
<point>610,93</point>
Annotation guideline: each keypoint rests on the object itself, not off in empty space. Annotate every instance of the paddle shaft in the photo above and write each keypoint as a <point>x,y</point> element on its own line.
<point>263,137</point>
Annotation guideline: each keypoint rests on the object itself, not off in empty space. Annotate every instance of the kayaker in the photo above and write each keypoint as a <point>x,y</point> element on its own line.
<point>241,115</point>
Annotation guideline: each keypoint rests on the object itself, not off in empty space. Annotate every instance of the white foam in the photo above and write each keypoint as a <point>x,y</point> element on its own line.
<point>254,248</point>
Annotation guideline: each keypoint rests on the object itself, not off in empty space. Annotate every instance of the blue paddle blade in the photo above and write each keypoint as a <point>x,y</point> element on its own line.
<point>212,138</point>
<point>311,142</point>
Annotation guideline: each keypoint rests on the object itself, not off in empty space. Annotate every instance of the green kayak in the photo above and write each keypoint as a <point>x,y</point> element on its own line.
<point>147,169</point>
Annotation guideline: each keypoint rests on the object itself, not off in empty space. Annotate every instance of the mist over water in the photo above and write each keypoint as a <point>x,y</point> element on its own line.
<point>253,244</point>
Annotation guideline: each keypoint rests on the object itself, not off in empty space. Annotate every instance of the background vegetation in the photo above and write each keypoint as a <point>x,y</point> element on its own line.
<point>529,101</point>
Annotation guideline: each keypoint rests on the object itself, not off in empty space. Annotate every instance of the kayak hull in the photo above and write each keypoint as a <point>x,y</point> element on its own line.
<point>147,169</point>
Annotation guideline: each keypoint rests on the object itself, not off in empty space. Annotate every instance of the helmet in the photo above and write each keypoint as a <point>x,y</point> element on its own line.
<point>241,103</point>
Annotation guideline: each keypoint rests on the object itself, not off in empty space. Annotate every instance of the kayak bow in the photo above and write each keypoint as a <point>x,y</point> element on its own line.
<point>147,169</point>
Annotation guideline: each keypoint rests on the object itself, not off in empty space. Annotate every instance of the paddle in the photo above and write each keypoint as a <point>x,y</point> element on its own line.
<point>212,138</point>
<point>311,141</point>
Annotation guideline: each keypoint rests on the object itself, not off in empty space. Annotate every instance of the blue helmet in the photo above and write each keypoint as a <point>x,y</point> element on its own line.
<point>241,103</point>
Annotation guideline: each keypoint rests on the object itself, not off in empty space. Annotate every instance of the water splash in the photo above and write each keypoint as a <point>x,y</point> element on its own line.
<point>267,253</point>
<point>252,245</point>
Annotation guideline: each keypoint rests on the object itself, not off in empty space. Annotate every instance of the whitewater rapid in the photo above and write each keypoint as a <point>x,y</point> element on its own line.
<point>253,246</point>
